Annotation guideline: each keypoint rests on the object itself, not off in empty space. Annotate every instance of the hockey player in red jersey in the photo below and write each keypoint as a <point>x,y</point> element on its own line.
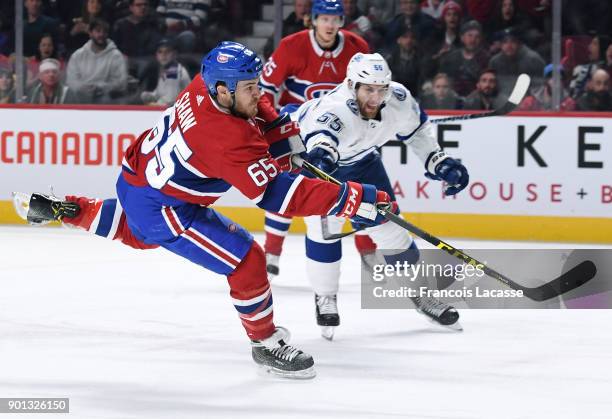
<point>311,62</point>
<point>207,142</point>
<point>307,65</point>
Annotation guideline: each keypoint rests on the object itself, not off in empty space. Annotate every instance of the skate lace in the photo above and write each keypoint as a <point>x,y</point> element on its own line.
<point>327,304</point>
<point>431,305</point>
<point>286,352</point>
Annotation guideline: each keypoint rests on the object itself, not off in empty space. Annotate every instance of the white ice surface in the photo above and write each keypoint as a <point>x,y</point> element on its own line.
<point>144,334</point>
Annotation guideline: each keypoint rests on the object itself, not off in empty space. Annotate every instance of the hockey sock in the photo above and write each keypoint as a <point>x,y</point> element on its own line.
<point>104,218</point>
<point>251,294</point>
<point>364,244</point>
<point>276,227</point>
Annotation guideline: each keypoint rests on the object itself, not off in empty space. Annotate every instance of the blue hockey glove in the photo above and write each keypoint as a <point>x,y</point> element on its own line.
<point>322,153</point>
<point>440,166</point>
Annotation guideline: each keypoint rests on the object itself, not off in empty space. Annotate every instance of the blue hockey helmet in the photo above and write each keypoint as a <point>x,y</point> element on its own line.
<point>229,62</point>
<point>327,7</point>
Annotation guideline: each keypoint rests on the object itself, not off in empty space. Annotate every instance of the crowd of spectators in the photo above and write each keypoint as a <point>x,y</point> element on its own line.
<point>110,51</point>
<point>467,54</point>
<point>451,54</point>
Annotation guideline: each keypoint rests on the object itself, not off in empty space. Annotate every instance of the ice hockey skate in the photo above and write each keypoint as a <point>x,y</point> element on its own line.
<point>40,209</point>
<point>438,312</point>
<point>327,314</point>
<point>272,265</point>
<point>275,357</point>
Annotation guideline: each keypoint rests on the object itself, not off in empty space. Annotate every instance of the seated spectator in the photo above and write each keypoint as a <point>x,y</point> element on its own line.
<point>121,9</point>
<point>137,34</point>
<point>79,31</point>
<point>410,17</point>
<point>49,90</point>
<point>465,65</point>
<point>443,40</point>
<point>35,25</point>
<point>7,88</point>
<point>514,59</point>
<point>379,11</point>
<point>298,20</point>
<point>433,8</point>
<point>356,22</point>
<point>486,96</point>
<point>536,23</point>
<point>442,95</point>
<point>582,73</point>
<point>170,77</point>
<point>451,19</point>
<point>506,16</point>
<point>597,95</point>
<point>46,49</point>
<point>541,99</point>
<point>404,62</point>
<point>183,20</point>
<point>97,71</point>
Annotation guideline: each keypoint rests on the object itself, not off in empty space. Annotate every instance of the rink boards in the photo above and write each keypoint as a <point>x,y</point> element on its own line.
<point>532,176</point>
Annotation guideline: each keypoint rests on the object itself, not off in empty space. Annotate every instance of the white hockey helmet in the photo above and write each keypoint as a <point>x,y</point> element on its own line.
<point>367,69</point>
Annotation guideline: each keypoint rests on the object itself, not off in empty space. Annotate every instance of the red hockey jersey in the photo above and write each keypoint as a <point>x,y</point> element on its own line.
<point>198,151</point>
<point>299,70</point>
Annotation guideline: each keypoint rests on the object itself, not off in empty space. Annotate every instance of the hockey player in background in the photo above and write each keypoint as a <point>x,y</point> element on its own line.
<point>204,144</point>
<point>342,132</point>
<point>307,65</point>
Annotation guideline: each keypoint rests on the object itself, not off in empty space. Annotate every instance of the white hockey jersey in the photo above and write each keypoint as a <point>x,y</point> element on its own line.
<point>336,116</point>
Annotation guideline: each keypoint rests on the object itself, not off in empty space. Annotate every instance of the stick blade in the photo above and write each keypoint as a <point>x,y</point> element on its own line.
<point>520,89</point>
<point>570,280</point>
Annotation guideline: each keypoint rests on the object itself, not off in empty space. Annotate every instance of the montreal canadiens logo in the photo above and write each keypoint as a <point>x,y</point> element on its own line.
<point>317,90</point>
<point>222,58</point>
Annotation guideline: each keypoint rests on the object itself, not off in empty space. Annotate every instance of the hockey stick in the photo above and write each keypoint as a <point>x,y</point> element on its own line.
<point>517,95</point>
<point>572,279</point>
<point>334,236</point>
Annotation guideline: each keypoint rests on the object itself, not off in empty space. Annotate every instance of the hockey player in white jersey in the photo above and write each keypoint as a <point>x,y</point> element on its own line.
<point>342,132</point>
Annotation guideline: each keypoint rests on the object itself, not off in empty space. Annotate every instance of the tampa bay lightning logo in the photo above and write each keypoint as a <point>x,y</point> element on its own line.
<point>317,90</point>
<point>399,93</point>
<point>352,105</point>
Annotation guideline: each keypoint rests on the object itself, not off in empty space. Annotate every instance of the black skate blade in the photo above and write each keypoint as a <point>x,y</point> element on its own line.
<point>306,374</point>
